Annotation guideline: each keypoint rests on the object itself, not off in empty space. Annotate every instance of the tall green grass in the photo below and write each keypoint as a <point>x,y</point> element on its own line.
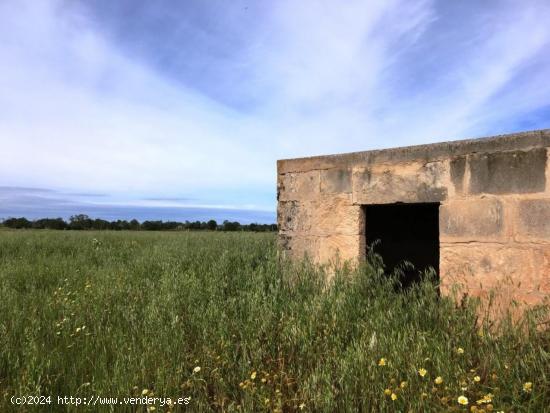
<point>121,314</point>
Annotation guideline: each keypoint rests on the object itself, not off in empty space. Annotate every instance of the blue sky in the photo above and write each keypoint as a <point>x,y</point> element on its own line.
<point>166,108</point>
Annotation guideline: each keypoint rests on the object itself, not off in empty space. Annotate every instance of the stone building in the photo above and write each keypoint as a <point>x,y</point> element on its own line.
<point>477,211</point>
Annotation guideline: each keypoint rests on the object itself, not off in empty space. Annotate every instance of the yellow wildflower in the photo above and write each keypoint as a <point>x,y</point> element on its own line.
<point>477,379</point>
<point>486,399</point>
<point>393,396</point>
<point>460,350</point>
<point>422,372</point>
<point>527,387</point>
<point>196,369</point>
<point>302,406</point>
<point>382,362</point>
<point>387,392</point>
<point>144,392</point>
<point>253,375</point>
<point>438,380</point>
<point>462,400</point>
<point>424,395</point>
<point>403,384</point>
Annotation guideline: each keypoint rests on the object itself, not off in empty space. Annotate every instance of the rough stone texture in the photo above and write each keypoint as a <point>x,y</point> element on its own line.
<point>534,218</point>
<point>298,186</point>
<point>384,184</point>
<point>336,180</point>
<point>336,216</point>
<point>508,274</point>
<point>319,218</point>
<point>514,172</point>
<point>289,219</point>
<point>489,266</point>
<point>342,247</point>
<point>297,247</point>
<point>494,216</point>
<point>471,220</point>
<point>458,168</point>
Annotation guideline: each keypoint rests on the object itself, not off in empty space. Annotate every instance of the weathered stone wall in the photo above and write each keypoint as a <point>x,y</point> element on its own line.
<point>494,196</point>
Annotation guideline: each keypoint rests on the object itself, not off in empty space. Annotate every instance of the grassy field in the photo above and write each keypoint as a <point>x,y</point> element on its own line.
<point>218,318</point>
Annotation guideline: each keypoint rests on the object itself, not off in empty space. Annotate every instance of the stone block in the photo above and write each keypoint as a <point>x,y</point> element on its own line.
<point>542,259</point>
<point>298,247</point>
<point>516,268</point>
<point>458,168</point>
<point>508,172</point>
<point>298,186</point>
<point>288,217</point>
<point>534,219</point>
<point>383,184</point>
<point>336,215</point>
<point>321,250</point>
<point>337,180</point>
<point>471,220</point>
<point>326,216</point>
<point>341,247</point>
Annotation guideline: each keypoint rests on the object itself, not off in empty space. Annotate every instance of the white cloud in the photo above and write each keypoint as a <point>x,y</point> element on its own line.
<point>91,118</point>
<point>78,113</point>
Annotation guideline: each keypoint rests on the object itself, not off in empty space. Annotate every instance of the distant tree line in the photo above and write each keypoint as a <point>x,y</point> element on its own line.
<point>84,222</point>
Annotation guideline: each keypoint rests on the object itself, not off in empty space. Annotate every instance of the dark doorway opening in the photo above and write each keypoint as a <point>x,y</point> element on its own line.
<point>406,232</point>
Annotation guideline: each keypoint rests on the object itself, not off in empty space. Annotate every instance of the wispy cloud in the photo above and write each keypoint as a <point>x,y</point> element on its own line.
<point>35,203</point>
<point>174,199</point>
<point>142,103</point>
<point>86,195</point>
<point>7,190</point>
<point>102,122</point>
